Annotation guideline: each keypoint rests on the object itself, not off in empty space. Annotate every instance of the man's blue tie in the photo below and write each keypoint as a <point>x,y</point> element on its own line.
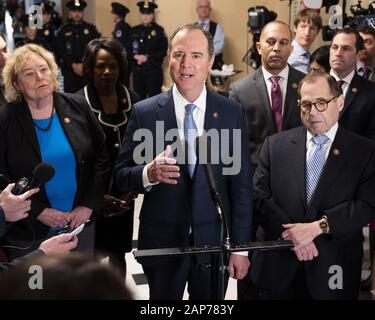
<point>190,132</point>
<point>314,165</point>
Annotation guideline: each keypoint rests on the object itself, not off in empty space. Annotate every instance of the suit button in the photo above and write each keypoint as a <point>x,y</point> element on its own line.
<point>83,162</point>
<point>117,145</point>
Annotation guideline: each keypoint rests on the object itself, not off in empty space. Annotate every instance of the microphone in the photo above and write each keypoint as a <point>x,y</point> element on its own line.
<point>42,173</point>
<point>203,152</point>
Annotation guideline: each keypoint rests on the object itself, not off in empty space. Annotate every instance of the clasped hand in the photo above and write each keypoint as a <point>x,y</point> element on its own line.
<point>302,236</point>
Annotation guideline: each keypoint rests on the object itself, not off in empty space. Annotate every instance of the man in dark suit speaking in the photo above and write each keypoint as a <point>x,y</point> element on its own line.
<point>177,210</point>
<point>314,185</point>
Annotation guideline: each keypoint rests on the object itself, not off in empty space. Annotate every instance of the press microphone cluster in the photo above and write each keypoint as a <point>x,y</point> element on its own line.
<point>42,173</point>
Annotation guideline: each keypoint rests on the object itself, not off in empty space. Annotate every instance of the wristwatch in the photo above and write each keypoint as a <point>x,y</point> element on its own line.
<point>323,224</point>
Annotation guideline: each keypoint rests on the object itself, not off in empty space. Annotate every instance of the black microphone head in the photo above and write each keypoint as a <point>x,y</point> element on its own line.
<point>42,173</point>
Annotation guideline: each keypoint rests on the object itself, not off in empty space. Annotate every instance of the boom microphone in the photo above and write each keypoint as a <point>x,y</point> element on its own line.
<point>42,173</point>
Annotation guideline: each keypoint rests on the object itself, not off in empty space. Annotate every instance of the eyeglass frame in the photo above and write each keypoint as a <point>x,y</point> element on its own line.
<point>326,103</point>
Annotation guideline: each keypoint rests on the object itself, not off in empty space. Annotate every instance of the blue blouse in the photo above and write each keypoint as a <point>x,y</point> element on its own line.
<point>56,150</point>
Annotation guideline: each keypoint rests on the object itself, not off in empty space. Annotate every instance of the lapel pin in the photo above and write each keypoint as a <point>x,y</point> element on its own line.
<point>215,115</point>
<point>354,90</point>
<point>294,85</point>
<point>66,120</point>
<point>336,152</point>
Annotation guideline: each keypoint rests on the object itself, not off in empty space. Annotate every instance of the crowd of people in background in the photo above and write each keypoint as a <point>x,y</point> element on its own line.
<point>307,122</point>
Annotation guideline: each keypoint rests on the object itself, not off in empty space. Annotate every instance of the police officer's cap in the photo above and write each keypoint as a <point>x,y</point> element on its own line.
<point>119,9</point>
<point>147,7</point>
<point>46,7</point>
<point>76,5</point>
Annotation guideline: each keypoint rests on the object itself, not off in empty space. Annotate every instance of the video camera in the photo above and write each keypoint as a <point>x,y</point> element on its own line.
<point>359,17</point>
<point>258,17</point>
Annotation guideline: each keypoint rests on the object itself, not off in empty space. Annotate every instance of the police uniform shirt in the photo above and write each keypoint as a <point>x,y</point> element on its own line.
<point>48,34</point>
<point>152,41</point>
<point>123,33</point>
<point>73,39</point>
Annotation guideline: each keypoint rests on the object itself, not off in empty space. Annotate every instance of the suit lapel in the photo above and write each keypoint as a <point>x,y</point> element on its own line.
<point>352,92</point>
<point>298,155</point>
<point>67,121</point>
<point>260,83</point>
<point>26,122</point>
<point>290,97</point>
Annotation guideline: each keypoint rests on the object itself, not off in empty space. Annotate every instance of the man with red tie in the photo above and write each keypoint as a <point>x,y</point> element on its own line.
<point>269,96</point>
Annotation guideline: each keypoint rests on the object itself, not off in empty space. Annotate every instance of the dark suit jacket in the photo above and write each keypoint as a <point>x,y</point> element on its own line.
<point>168,211</point>
<point>358,114</point>
<point>345,194</point>
<point>251,92</point>
<point>2,222</point>
<point>20,153</point>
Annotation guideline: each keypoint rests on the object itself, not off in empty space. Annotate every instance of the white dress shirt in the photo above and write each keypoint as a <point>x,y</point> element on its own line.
<point>331,133</point>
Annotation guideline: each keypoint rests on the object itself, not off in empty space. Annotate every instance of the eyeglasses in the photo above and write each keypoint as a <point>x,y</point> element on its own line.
<point>321,105</point>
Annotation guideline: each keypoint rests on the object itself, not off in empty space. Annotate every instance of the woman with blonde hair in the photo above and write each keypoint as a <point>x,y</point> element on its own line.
<point>39,124</point>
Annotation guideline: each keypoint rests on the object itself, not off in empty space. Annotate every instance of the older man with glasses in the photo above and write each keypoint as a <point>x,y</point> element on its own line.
<point>314,185</point>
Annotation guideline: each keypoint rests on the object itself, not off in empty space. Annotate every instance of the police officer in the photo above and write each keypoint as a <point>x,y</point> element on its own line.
<point>48,33</point>
<point>56,19</point>
<point>149,47</point>
<point>72,40</point>
<point>30,33</point>
<point>122,31</point>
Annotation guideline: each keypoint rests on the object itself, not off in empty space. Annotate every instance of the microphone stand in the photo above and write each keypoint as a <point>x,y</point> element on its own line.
<point>214,251</point>
<point>224,253</point>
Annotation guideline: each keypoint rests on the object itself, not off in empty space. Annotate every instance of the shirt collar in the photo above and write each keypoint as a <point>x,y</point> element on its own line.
<point>297,49</point>
<point>331,133</point>
<point>348,79</point>
<point>283,73</point>
<point>179,99</point>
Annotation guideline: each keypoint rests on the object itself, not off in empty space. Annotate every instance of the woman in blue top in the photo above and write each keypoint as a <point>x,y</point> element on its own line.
<point>42,125</point>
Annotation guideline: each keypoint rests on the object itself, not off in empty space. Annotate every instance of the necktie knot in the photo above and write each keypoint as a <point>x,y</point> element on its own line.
<point>275,79</point>
<point>364,72</point>
<point>340,83</point>
<point>190,108</point>
<point>306,55</point>
<point>320,140</point>
<point>202,24</point>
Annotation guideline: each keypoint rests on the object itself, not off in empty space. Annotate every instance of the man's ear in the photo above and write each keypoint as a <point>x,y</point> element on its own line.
<point>340,101</point>
<point>258,46</point>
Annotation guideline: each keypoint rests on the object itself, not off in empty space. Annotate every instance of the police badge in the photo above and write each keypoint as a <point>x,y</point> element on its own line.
<point>118,34</point>
<point>86,31</point>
